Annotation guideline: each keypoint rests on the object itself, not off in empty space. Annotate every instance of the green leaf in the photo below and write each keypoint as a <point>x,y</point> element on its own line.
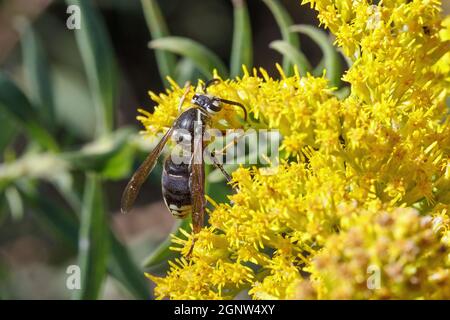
<point>15,203</point>
<point>93,240</point>
<point>331,58</point>
<point>59,221</point>
<point>110,155</point>
<point>46,166</point>
<point>158,29</point>
<point>3,213</point>
<point>205,60</point>
<point>74,106</point>
<point>241,49</point>
<point>99,63</point>
<point>284,21</point>
<point>120,164</point>
<point>318,70</point>
<point>294,55</point>
<point>65,185</point>
<point>163,253</point>
<point>14,102</point>
<point>65,225</point>
<point>126,271</point>
<point>220,191</point>
<point>186,71</point>
<point>37,76</point>
<point>8,131</point>
<point>342,93</point>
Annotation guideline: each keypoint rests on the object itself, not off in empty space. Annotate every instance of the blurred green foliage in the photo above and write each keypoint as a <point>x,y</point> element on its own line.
<point>48,117</point>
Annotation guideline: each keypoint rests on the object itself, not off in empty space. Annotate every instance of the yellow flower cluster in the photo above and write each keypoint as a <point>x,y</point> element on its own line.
<point>381,255</point>
<point>365,181</point>
<point>290,105</point>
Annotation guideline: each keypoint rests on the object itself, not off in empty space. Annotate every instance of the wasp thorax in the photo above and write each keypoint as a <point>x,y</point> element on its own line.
<point>209,103</point>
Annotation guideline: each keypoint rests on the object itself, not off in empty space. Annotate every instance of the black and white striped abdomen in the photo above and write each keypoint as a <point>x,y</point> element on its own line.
<point>175,188</point>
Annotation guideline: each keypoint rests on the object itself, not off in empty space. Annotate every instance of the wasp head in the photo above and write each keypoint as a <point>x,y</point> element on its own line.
<point>207,102</point>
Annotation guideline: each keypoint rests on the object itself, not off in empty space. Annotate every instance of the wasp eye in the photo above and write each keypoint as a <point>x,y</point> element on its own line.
<point>214,106</point>
<point>196,99</point>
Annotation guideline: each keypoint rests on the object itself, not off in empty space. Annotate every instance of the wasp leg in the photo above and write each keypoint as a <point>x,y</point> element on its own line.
<point>230,144</point>
<point>220,166</point>
<point>191,249</point>
<point>183,97</point>
<point>222,152</point>
<point>224,172</point>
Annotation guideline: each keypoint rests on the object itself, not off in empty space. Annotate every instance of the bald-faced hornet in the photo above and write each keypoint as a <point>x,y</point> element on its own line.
<point>183,184</point>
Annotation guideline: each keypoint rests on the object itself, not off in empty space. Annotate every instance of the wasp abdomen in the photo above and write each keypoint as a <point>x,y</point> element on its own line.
<point>176,189</point>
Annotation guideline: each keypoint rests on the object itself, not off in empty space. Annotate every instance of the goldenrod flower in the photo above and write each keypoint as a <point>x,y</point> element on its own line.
<point>362,181</point>
<point>288,105</point>
<point>385,254</point>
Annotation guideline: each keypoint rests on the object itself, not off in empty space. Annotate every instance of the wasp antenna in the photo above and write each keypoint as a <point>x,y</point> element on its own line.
<point>210,83</point>
<point>237,104</point>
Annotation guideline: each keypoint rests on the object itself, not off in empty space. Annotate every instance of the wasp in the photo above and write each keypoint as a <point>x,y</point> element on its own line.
<point>183,184</point>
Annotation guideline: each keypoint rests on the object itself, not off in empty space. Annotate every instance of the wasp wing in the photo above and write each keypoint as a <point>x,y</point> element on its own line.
<point>134,185</point>
<point>198,179</point>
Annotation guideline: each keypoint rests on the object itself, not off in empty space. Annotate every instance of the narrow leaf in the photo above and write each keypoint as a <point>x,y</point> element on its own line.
<point>60,222</point>
<point>205,60</point>
<point>158,29</point>
<point>15,203</point>
<point>8,131</point>
<point>342,93</point>
<point>45,166</point>
<point>99,63</point>
<point>318,70</point>
<point>65,226</point>
<point>163,253</point>
<point>93,240</point>
<point>185,71</point>
<point>37,75</point>
<point>120,164</point>
<point>242,48</point>
<point>284,21</point>
<point>74,105</point>
<point>331,59</point>
<point>110,155</point>
<point>126,271</point>
<point>294,55</point>
<point>220,191</point>
<point>14,102</point>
